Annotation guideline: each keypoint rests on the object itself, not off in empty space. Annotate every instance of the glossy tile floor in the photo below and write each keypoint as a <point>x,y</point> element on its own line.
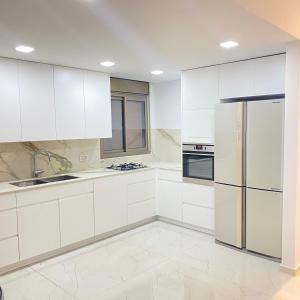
<point>156,261</point>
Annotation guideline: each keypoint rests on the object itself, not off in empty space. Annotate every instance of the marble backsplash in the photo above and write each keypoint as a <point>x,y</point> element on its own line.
<point>16,158</point>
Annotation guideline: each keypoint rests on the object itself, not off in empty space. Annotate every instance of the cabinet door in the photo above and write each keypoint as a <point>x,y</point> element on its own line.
<point>196,194</point>
<point>97,105</point>
<point>169,200</point>
<point>8,223</point>
<point>10,122</point>
<point>269,75</point>
<point>76,218</point>
<point>38,227</point>
<point>69,103</point>
<point>141,211</point>
<point>198,126</point>
<point>37,101</point>
<point>236,79</point>
<point>9,250</point>
<point>110,203</point>
<point>200,88</point>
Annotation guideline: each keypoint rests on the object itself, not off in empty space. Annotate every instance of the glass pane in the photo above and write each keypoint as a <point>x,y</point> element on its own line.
<point>136,124</point>
<point>199,166</point>
<point>117,141</point>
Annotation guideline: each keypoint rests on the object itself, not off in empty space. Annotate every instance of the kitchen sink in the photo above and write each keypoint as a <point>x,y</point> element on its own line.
<point>29,182</point>
<point>43,180</point>
<point>59,178</point>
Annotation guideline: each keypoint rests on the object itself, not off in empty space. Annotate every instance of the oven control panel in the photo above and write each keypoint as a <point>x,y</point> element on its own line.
<point>198,147</point>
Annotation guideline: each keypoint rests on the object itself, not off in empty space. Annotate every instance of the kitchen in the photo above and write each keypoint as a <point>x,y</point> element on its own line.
<point>130,171</point>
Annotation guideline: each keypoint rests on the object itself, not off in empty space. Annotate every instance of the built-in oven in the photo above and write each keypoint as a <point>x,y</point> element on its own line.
<point>198,163</point>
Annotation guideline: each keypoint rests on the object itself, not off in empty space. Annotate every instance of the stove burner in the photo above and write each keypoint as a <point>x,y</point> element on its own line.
<point>127,166</point>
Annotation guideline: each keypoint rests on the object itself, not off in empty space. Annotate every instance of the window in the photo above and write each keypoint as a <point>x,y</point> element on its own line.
<point>130,134</point>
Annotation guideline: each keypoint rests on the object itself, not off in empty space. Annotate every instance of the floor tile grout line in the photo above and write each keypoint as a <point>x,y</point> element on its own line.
<point>54,283</point>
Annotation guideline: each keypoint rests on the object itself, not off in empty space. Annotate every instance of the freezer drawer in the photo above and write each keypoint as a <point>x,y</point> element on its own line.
<point>229,214</point>
<point>229,127</point>
<point>263,222</point>
<point>264,144</point>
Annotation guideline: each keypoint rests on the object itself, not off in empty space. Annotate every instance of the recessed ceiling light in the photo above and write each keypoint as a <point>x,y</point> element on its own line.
<point>24,49</point>
<point>107,63</point>
<point>157,72</point>
<point>229,44</point>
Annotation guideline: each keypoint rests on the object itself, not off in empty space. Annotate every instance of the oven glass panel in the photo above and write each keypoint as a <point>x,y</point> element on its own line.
<point>198,166</point>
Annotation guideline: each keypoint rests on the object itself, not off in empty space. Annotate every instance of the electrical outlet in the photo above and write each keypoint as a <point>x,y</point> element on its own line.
<point>83,157</point>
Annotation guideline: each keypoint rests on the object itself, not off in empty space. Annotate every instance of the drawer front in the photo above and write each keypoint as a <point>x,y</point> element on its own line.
<point>9,251</point>
<point>140,191</point>
<point>196,194</point>
<point>141,211</point>
<point>8,223</point>
<point>141,176</point>
<point>35,196</point>
<point>198,216</point>
<point>170,175</point>
<point>44,194</point>
<point>8,201</point>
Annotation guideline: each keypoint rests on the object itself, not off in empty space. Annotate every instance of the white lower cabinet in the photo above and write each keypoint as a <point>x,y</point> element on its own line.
<point>198,205</point>
<point>141,210</point>
<point>199,216</point>
<point>76,218</point>
<point>141,188</point>
<point>169,199</point>
<point>38,227</point>
<point>8,223</point>
<point>110,203</point>
<point>9,251</point>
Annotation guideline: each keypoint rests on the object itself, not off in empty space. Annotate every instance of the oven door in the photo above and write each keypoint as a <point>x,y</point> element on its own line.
<point>199,166</point>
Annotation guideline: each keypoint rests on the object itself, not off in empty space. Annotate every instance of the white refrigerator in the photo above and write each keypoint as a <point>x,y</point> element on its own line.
<point>248,175</point>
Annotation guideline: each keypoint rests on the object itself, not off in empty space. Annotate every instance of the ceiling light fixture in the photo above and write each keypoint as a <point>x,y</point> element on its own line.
<point>24,49</point>
<point>157,72</point>
<point>229,44</point>
<point>107,63</point>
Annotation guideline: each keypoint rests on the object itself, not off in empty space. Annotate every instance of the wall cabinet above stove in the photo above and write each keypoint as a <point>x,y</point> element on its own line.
<point>45,102</point>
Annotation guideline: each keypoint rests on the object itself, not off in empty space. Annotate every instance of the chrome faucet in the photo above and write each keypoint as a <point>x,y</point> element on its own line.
<point>35,172</point>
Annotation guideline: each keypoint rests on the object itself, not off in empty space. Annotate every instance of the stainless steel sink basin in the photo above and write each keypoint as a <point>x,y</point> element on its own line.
<point>28,182</point>
<point>43,180</point>
<point>59,178</point>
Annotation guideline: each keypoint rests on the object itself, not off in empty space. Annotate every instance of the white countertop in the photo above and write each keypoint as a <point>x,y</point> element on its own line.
<point>7,187</point>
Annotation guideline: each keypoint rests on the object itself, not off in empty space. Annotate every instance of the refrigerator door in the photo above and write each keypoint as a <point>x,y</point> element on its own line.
<point>264,144</point>
<point>229,214</point>
<point>229,129</point>
<point>263,222</point>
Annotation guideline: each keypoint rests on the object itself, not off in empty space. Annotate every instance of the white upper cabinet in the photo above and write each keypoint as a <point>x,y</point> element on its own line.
<point>97,105</point>
<point>37,101</point>
<point>269,75</point>
<point>255,77</point>
<point>200,88</point>
<point>198,126</point>
<point>69,103</point>
<point>10,122</point>
<point>236,79</point>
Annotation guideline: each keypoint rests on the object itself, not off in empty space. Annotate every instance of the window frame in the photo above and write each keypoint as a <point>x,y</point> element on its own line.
<point>129,152</point>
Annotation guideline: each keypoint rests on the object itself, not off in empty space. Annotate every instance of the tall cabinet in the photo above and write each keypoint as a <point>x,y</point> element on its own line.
<point>204,87</point>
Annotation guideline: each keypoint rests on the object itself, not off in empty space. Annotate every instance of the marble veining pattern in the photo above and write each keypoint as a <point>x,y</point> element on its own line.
<point>16,158</point>
<point>154,262</point>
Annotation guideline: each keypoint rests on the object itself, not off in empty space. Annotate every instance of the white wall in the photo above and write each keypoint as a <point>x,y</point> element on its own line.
<point>165,99</point>
<point>291,177</point>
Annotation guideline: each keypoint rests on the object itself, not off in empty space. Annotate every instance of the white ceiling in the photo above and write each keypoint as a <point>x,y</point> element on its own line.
<point>139,35</point>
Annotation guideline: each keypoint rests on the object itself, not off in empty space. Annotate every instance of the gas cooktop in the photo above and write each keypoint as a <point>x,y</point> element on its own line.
<point>127,166</point>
